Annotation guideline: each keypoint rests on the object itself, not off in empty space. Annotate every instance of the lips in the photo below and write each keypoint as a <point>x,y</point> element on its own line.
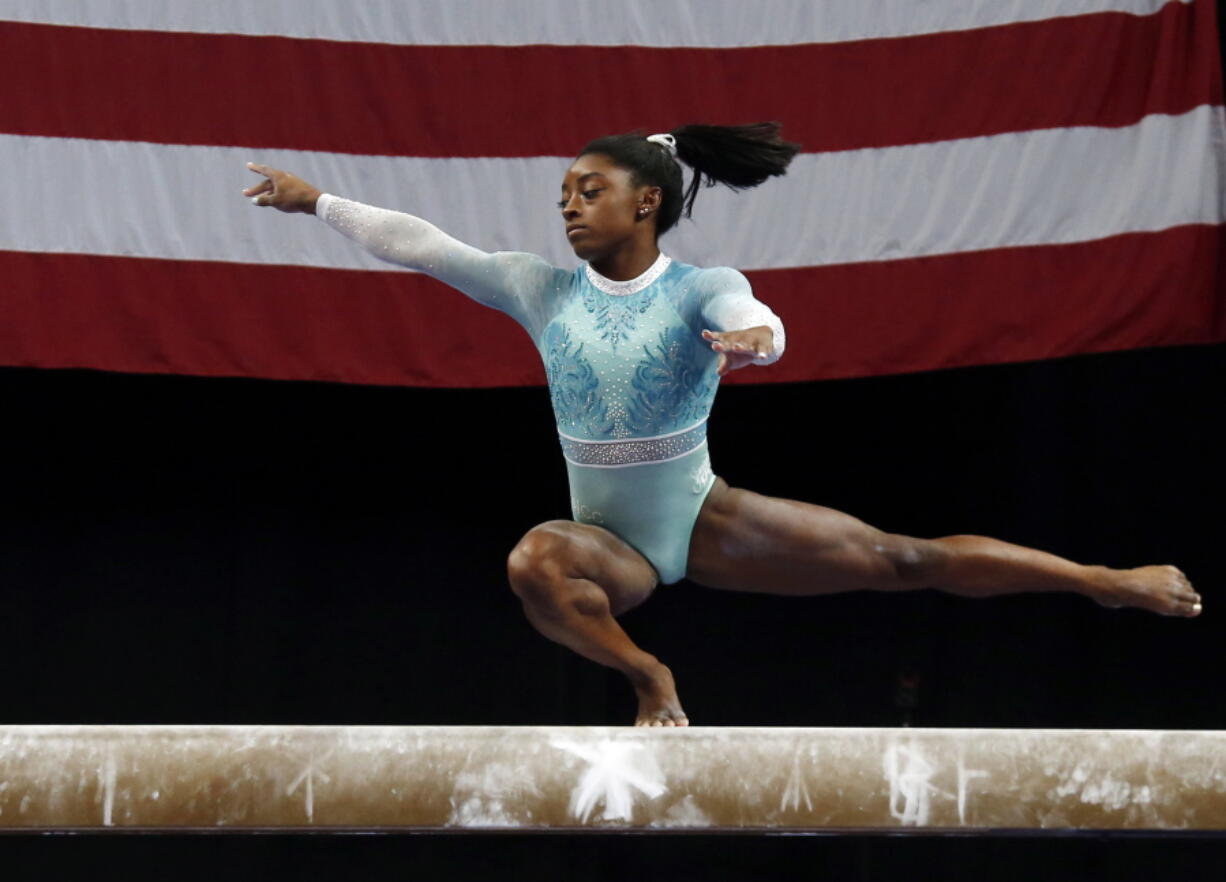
<point>573,230</point>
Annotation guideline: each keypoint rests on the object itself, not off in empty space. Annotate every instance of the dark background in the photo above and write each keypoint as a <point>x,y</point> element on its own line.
<point>188,550</point>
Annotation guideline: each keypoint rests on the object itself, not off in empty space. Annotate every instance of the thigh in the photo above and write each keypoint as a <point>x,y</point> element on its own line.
<point>745,541</point>
<point>571,550</point>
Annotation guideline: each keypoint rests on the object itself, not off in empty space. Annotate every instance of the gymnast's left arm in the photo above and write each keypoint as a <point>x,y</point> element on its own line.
<point>741,328</point>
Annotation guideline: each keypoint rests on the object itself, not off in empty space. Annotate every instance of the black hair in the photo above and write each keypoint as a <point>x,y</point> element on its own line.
<point>736,156</point>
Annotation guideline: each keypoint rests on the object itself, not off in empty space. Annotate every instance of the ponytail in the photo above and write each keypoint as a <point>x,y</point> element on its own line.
<point>736,156</point>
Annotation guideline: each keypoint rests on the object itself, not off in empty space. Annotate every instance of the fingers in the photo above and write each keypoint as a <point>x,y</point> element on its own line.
<point>264,186</point>
<point>263,192</point>
<point>727,342</point>
<point>723,366</point>
<point>717,337</point>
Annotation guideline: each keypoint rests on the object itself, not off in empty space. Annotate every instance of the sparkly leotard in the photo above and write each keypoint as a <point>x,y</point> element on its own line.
<point>630,377</point>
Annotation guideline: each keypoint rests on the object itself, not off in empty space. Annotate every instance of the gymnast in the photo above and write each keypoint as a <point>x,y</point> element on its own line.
<point>634,346</point>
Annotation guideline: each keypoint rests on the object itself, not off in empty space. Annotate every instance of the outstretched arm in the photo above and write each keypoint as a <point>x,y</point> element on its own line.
<point>509,281</point>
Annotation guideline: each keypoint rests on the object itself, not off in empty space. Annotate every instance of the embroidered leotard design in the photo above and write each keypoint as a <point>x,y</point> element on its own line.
<point>669,384</point>
<point>615,319</point>
<point>628,367</point>
<point>585,513</point>
<point>701,475</point>
<point>618,417</point>
<point>574,386</point>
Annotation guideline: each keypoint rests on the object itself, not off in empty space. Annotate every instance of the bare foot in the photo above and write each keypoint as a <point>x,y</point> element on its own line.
<point>658,702</point>
<point>1161,589</point>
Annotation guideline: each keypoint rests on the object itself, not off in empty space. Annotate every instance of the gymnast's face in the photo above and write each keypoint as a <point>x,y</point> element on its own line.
<point>601,206</point>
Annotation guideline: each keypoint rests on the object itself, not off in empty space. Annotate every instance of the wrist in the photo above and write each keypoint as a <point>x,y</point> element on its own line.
<point>310,199</point>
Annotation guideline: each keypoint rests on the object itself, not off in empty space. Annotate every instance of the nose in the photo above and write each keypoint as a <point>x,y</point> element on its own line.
<point>570,207</point>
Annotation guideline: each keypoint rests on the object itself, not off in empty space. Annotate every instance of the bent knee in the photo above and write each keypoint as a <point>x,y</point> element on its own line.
<point>913,560</point>
<point>540,559</point>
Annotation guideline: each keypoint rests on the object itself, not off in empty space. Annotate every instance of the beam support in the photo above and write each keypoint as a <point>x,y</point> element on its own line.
<point>246,778</point>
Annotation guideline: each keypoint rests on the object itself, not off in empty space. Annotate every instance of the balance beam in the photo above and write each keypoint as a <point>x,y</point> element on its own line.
<point>428,778</point>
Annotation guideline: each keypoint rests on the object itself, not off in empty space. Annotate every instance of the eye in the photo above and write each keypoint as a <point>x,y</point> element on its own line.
<point>591,194</point>
<point>561,203</point>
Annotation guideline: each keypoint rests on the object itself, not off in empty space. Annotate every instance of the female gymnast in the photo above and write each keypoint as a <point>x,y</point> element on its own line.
<point>634,344</point>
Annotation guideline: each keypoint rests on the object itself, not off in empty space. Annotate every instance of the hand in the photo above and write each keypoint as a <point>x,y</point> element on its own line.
<point>281,190</point>
<point>739,348</point>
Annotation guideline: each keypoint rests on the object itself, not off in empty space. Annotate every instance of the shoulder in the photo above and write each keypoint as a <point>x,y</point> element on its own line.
<point>524,269</point>
<point>714,280</point>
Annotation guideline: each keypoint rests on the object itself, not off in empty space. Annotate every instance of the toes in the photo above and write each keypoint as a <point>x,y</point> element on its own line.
<point>1187,608</point>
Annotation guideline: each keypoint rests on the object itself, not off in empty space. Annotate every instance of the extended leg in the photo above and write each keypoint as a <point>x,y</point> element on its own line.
<point>573,579</point>
<point>750,542</point>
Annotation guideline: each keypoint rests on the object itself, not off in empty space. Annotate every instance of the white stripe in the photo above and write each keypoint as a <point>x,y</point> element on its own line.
<point>1024,188</point>
<point>689,23</point>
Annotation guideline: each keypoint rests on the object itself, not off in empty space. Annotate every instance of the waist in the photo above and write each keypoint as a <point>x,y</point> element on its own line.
<point>633,451</point>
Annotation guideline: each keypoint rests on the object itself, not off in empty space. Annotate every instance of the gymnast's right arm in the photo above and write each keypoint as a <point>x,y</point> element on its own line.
<point>507,281</point>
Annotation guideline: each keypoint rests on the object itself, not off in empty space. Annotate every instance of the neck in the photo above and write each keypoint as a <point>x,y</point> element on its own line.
<point>629,262</point>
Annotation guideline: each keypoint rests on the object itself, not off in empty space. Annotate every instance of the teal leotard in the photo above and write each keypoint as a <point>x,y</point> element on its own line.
<point>630,377</point>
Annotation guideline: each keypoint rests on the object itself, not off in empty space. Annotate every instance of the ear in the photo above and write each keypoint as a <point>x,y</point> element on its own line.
<point>649,201</point>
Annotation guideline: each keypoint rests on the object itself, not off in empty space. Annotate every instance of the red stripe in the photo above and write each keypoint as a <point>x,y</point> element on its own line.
<point>219,319</point>
<point>280,322</point>
<point>1105,69</point>
<point>1004,305</point>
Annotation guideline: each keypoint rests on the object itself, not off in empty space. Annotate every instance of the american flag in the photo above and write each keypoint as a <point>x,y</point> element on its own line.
<point>981,182</point>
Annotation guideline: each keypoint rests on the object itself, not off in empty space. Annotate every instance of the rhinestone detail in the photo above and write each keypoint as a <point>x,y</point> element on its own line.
<point>636,451</point>
<point>629,286</point>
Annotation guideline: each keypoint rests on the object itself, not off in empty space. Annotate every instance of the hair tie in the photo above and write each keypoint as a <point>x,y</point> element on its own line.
<point>668,142</point>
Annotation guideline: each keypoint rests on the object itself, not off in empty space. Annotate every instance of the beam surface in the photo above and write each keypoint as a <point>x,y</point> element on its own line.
<point>564,778</point>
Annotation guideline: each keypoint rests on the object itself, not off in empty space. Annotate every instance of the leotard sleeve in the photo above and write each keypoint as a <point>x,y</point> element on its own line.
<point>513,282</point>
<point>727,304</point>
